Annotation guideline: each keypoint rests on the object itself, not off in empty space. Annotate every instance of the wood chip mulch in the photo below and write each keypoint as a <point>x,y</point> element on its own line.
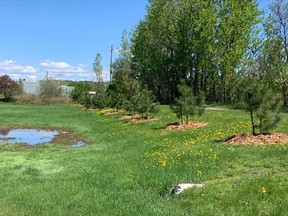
<point>125,117</point>
<point>190,125</point>
<point>261,139</point>
<point>140,120</point>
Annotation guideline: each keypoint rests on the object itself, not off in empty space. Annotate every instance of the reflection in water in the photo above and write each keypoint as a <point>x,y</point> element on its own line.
<point>28,136</point>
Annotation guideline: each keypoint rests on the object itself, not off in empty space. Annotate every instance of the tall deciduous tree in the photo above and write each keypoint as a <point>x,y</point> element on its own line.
<point>274,57</point>
<point>202,42</point>
<point>234,36</point>
<point>123,78</point>
<point>98,70</point>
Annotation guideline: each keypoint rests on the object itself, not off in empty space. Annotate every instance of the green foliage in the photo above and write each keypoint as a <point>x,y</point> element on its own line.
<point>99,100</point>
<point>79,89</point>
<point>86,100</point>
<point>115,98</point>
<point>8,87</point>
<point>203,42</point>
<point>263,103</point>
<point>187,105</point>
<point>145,102</point>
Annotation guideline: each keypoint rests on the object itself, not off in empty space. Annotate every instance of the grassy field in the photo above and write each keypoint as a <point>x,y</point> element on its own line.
<point>128,169</point>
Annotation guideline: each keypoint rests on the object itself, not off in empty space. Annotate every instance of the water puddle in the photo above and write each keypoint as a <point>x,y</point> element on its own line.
<point>27,136</point>
<point>79,144</point>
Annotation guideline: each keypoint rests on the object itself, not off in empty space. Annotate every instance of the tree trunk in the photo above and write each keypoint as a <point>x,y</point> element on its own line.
<point>252,122</point>
<point>284,94</point>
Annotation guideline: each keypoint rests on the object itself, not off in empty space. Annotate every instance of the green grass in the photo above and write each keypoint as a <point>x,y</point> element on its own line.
<point>129,168</point>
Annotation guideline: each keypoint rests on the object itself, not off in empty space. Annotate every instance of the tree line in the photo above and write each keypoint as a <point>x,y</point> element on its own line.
<point>185,52</point>
<point>215,46</point>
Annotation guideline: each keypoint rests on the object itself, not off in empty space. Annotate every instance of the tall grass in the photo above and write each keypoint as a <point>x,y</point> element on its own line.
<point>130,168</point>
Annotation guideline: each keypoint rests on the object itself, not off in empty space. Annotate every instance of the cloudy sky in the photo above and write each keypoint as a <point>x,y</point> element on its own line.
<point>62,37</point>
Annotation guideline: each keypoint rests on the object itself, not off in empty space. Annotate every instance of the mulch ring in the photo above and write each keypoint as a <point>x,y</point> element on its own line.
<point>184,126</point>
<point>127,117</point>
<point>111,113</point>
<point>140,120</point>
<point>260,139</point>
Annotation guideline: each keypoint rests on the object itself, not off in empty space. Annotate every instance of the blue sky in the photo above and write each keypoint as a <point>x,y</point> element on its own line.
<point>64,36</point>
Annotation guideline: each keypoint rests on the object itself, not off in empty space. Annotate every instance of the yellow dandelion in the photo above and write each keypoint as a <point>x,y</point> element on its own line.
<point>264,190</point>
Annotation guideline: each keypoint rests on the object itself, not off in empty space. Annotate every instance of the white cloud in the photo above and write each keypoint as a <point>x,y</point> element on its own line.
<point>17,70</point>
<point>55,65</point>
<point>10,66</point>
<point>57,70</point>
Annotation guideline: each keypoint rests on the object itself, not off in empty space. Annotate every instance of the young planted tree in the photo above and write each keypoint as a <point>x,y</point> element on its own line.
<point>8,87</point>
<point>264,107</point>
<point>98,70</point>
<point>145,103</point>
<point>187,105</point>
<point>100,99</point>
<point>115,97</point>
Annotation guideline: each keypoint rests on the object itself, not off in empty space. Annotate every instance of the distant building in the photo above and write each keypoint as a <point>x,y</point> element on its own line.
<point>66,90</point>
<point>34,88</point>
<point>31,87</point>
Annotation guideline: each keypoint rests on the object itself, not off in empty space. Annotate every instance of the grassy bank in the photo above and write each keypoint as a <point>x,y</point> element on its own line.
<point>129,168</point>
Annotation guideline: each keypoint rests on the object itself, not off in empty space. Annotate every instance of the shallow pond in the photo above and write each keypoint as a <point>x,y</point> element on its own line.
<point>27,136</point>
<point>79,144</point>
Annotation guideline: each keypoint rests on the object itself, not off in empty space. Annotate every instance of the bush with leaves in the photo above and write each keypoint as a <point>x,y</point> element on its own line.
<point>86,100</point>
<point>99,101</point>
<point>8,87</point>
<point>78,91</point>
<point>187,104</point>
<point>263,105</point>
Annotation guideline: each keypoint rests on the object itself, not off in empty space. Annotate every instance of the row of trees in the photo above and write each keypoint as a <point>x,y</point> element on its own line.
<point>186,50</point>
<point>203,42</point>
<point>215,48</point>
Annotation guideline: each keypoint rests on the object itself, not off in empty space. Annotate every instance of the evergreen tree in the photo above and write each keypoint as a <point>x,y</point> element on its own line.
<point>263,105</point>
<point>145,102</point>
<point>187,105</point>
<point>79,89</point>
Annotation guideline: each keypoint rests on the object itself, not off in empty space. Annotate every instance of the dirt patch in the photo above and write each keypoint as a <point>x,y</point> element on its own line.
<point>125,117</point>
<point>190,125</point>
<point>261,139</point>
<point>140,120</point>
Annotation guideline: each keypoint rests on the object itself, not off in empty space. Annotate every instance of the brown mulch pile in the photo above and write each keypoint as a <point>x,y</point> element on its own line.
<point>139,120</point>
<point>111,113</point>
<point>261,139</point>
<point>125,117</point>
<point>177,126</point>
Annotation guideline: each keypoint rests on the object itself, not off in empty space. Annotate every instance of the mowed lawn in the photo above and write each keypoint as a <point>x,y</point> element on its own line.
<point>128,169</point>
